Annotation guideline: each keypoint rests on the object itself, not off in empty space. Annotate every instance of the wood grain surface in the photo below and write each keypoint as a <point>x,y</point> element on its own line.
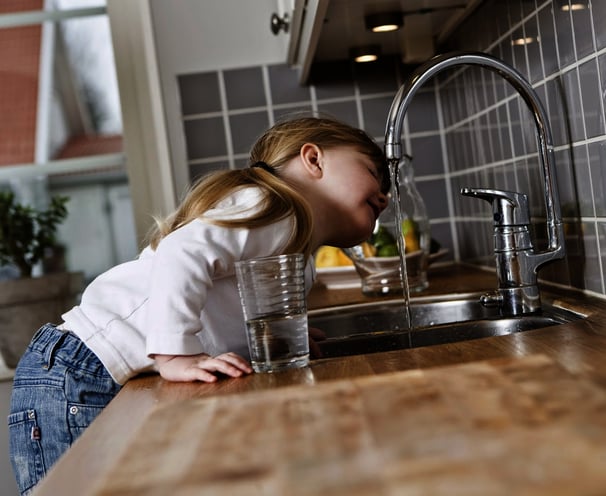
<point>578,349</point>
<point>500,427</point>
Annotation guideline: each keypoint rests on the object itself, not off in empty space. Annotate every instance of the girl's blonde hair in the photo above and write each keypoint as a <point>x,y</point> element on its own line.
<point>276,147</point>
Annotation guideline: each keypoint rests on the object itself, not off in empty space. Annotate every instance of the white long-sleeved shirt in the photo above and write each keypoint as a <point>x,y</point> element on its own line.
<point>182,298</point>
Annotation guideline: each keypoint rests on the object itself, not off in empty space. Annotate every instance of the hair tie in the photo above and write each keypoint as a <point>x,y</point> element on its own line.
<point>264,166</point>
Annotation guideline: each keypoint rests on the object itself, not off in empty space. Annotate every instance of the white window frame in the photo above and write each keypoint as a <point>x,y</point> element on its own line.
<point>152,183</point>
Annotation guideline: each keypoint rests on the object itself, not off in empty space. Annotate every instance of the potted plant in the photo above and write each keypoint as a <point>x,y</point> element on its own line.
<point>27,237</point>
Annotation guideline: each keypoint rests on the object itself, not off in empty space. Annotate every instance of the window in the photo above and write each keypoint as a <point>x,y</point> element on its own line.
<point>58,89</point>
<point>61,129</point>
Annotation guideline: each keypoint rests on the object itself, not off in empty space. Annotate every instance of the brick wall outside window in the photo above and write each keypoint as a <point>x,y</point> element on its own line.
<point>20,58</point>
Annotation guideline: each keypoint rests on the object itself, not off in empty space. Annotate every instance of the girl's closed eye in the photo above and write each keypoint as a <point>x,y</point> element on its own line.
<point>379,177</point>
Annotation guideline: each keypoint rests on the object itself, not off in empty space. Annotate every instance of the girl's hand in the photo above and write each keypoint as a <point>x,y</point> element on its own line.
<point>203,367</point>
<point>315,334</point>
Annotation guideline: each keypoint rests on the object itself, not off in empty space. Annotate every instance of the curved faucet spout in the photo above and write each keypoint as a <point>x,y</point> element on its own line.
<point>402,100</point>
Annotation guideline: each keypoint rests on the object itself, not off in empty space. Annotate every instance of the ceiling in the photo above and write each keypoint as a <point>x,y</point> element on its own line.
<point>325,30</point>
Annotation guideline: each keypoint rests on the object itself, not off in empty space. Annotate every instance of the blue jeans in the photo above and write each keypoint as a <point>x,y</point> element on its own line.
<point>60,386</point>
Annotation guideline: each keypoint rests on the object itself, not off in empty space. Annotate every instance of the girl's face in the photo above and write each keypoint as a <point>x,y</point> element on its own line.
<point>353,186</point>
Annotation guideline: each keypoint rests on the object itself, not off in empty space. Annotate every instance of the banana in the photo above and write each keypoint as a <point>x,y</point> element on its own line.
<point>331,256</point>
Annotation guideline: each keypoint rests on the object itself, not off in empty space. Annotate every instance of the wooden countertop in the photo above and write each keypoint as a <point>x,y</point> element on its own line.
<point>146,435</point>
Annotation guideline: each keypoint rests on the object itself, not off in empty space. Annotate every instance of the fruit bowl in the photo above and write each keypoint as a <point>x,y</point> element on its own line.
<point>341,277</point>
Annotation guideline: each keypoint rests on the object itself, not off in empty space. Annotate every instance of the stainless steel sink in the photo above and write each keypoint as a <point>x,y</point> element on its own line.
<point>382,326</point>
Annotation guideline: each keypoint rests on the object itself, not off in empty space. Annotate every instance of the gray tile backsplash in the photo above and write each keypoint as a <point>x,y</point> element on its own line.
<point>281,113</point>
<point>245,129</point>
<point>566,67</point>
<point>590,95</point>
<point>573,108</point>
<point>340,88</point>
<point>465,128</point>
<point>564,35</point>
<point>244,88</point>
<point>598,11</point>
<point>548,45</point>
<point>426,151</point>
<point>375,111</point>
<point>345,111</point>
<point>205,137</point>
<point>285,88</point>
<point>198,170</point>
<point>597,170</point>
<point>422,113</point>
<point>583,32</point>
<point>199,93</point>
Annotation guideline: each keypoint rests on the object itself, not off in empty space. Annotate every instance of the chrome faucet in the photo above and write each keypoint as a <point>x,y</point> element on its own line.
<point>516,261</point>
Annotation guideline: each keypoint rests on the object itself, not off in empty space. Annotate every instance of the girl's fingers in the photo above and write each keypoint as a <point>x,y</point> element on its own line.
<point>204,376</point>
<point>232,366</point>
<point>236,360</point>
<point>202,367</point>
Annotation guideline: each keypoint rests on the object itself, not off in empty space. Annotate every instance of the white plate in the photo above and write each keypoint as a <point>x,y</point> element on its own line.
<point>339,277</point>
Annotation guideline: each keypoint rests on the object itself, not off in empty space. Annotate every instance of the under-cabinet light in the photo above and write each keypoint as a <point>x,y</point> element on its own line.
<point>383,22</point>
<point>367,53</point>
<point>524,41</point>
<point>573,6</point>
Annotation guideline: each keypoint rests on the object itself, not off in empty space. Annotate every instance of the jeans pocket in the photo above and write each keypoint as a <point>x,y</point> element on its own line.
<point>25,448</point>
<point>80,417</point>
<point>87,395</point>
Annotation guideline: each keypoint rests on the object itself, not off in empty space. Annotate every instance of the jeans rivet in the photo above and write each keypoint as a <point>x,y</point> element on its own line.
<point>31,414</point>
<point>73,410</point>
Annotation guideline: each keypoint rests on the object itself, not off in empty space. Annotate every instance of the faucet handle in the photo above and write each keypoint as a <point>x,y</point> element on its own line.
<point>509,208</point>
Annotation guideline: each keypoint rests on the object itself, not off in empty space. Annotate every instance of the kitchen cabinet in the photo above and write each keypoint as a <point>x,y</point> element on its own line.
<point>324,30</point>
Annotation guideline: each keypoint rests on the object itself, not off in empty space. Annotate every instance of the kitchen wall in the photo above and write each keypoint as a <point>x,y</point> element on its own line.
<point>490,141</point>
<point>466,128</point>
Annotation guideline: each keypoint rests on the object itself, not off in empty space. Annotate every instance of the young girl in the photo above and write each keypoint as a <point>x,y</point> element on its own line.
<point>176,309</point>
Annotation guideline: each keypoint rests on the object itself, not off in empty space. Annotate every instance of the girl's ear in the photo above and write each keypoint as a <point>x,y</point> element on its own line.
<point>311,157</point>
